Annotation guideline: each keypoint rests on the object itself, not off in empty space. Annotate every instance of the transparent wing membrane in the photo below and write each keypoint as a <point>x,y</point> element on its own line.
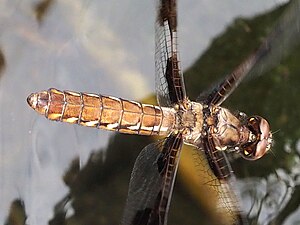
<point>169,80</point>
<point>152,182</point>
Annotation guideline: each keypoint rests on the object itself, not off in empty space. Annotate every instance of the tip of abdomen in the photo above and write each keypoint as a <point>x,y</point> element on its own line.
<point>32,100</point>
<point>38,101</point>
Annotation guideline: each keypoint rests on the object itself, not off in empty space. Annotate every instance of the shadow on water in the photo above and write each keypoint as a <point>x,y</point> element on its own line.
<point>98,190</point>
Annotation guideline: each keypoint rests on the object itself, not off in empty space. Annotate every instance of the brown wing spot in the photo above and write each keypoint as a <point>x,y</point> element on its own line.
<point>167,12</point>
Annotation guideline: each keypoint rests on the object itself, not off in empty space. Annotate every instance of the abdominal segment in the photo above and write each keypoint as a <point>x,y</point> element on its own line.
<point>104,112</point>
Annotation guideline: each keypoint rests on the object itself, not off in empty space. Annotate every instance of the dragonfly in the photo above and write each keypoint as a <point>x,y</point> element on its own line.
<point>203,124</point>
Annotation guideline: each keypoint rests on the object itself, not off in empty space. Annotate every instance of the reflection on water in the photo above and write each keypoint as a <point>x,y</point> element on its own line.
<point>41,9</point>
<point>269,197</point>
<point>17,213</point>
<point>59,173</point>
<point>2,62</point>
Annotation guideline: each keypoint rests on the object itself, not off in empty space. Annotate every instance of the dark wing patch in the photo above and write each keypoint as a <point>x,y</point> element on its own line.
<point>217,160</point>
<point>167,11</point>
<point>222,181</point>
<point>226,87</point>
<point>169,80</point>
<point>174,81</point>
<point>151,183</point>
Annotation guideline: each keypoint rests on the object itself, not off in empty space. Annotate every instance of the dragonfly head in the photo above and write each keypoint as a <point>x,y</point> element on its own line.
<point>259,140</point>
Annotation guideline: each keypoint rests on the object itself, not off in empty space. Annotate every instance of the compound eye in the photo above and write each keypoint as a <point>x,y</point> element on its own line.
<point>260,141</point>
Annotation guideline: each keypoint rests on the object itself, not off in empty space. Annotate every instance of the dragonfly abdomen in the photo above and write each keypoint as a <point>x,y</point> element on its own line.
<point>104,112</point>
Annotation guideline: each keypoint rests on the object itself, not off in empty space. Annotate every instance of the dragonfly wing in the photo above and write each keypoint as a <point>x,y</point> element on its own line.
<point>170,87</point>
<point>152,182</point>
<point>222,181</point>
<point>285,35</point>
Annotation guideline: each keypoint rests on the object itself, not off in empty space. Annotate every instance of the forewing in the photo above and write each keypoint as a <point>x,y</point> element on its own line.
<point>151,183</point>
<point>285,35</point>
<point>169,80</point>
<point>222,180</point>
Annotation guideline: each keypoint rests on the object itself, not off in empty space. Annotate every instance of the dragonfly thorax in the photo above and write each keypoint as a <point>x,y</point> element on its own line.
<point>227,129</point>
<point>189,120</point>
<point>251,137</point>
